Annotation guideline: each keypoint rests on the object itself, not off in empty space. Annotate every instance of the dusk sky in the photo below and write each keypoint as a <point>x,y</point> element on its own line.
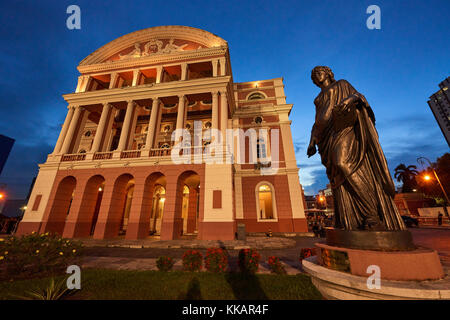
<point>397,68</point>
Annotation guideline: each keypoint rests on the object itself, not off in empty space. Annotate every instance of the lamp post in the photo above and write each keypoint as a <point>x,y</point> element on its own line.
<point>422,160</point>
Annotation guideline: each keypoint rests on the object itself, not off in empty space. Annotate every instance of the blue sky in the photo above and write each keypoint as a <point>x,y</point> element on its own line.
<point>397,68</point>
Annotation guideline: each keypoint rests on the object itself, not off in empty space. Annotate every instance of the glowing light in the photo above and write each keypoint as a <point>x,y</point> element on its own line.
<point>322,198</point>
<point>100,189</point>
<point>427,177</point>
<point>2,196</point>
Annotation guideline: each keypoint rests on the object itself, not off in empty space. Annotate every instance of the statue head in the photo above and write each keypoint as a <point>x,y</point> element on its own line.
<point>321,74</point>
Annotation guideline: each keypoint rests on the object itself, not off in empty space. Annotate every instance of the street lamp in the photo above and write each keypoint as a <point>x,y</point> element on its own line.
<point>422,160</point>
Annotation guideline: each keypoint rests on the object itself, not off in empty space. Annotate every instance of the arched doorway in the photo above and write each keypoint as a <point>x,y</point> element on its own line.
<point>265,201</point>
<point>113,215</point>
<point>129,191</point>
<point>159,197</point>
<point>82,219</point>
<point>60,206</point>
<point>187,202</point>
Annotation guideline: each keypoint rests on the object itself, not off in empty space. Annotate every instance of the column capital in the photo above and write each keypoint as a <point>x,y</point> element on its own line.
<point>181,96</point>
<point>223,91</point>
<point>132,102</point>
<point>214,93</point>
<point>104,103</point>
<point>155,100</point>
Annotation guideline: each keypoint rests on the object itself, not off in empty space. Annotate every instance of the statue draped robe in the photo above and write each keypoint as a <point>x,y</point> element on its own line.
<point>347,140</point>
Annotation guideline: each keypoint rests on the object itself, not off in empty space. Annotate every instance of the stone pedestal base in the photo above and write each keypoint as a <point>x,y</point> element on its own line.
<point>419,264</point>
<point>345,286</point>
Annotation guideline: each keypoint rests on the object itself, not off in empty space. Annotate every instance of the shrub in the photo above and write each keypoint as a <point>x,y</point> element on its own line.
<point>37,255</point>
<point>307,252</point>
<point>216,260</point>
<point>248,260</point>
<point>192,260</point>
<point>53,291</point>
<point>164,263</point>
<point>275,265</point>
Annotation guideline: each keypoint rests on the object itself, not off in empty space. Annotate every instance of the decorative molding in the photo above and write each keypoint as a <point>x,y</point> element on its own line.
<point>195,35</point>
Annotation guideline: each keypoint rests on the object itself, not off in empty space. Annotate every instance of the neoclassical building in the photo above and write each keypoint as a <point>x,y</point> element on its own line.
<point>141,152</point>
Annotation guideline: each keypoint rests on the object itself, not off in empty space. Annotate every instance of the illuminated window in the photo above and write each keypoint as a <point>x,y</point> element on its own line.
<point>255,96</point>
<point>266,203</point>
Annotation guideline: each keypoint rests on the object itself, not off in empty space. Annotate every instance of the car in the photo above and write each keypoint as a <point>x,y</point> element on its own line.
<point>410,221</point>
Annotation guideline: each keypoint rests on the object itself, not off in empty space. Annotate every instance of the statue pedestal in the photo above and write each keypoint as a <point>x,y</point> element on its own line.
<point>346,286</point>
<point>420,264</point>
<point>371,240</point>
<point>341,273</point>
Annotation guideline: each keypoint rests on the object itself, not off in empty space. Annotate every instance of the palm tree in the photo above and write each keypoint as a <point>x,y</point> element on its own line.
<point>406,175</point>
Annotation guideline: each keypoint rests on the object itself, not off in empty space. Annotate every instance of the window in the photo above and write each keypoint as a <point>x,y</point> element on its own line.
<point>258,120</point>
<point>261,149</point>
<point>265,201</point>
<point>87,134</point>
<point>165,146</point>
<point>255,96</point>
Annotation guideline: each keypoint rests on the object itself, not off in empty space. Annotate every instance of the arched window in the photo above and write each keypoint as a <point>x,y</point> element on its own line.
<point>258,120</point>
<point>265,201</point>
<point>165,146</point>
<point>255,96</point>
<point>261,149</point>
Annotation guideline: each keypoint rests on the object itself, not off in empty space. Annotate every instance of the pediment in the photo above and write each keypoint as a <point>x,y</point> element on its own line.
<point>155,41</point>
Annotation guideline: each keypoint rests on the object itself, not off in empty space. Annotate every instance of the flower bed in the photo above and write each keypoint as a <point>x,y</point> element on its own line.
<point>37,255</point>
<point>192,260</point>
<point>275,265</point>
<point>216,260</point>
<point>164,263</point>
<point>248,260</point>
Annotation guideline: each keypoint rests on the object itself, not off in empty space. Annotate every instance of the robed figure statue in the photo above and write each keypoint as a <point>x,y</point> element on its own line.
<point>344,131</point>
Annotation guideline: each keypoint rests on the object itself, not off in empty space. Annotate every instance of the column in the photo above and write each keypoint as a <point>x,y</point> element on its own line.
<point>215,110</point>
<point>215,63</point>
<point>180,116</point>
<point>113,80</point>
<point>71,131</point>
<point>223,111</point>
<point>136,76</point>
<point>152,124</point>
<point>126,126</point>
<point>222,66</point>
<point>158,74</point>
<point>101,127</point>
<point>184,67</point>
<point>64,129</point>
<point>224,117</point>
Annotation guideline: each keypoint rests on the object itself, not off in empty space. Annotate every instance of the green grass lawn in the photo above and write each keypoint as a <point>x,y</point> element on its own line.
<point>131,285</point>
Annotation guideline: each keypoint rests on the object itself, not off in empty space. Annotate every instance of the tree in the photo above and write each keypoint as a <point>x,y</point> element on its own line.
<point>406,175</point>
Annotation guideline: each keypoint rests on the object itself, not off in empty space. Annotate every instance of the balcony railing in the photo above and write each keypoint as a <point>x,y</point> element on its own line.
<point>160,152</point>
<point>130,154</point>
<point>73,157</point>
<point>102,156</point>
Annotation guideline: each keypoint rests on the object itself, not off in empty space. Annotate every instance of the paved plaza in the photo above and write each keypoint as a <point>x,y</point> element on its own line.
<point>142,254</point>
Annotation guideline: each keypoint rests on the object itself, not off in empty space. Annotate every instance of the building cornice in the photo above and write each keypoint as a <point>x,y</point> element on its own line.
<point>159,59</point>
<point>163,89</point>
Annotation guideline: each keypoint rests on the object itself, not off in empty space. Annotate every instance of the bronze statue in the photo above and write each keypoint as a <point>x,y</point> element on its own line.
<point>344,131</point>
